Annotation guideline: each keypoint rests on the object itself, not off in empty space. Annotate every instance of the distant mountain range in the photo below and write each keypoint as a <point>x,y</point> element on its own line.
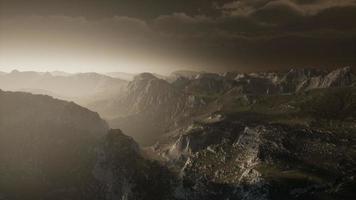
<point>73,87</point>
<point>121,75</point>
<point>166,101</point>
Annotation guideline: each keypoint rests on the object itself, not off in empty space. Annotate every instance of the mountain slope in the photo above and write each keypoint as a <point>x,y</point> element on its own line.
<point>248,155</point>
<point>55,150</point>
<point>298,146</point>
<point>148,107</point>
<point>46,146</point>
<point>306,79</point>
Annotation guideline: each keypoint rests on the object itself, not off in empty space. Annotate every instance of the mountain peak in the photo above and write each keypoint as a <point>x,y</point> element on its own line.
<point>122,143</point>
<point>144,76</point>
<point>208,76</point>
<point>15,71</point>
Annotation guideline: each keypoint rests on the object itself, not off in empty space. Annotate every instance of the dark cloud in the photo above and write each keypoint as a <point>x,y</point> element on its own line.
<point>278,12</point>
<point>305,7</point>
<point>210,35</point>
<point>108,8</point>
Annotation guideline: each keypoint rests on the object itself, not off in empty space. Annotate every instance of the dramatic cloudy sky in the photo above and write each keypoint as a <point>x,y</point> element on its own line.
<point>166,35</point>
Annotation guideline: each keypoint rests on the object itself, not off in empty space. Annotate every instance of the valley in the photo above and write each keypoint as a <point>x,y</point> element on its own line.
<point>265,135</point>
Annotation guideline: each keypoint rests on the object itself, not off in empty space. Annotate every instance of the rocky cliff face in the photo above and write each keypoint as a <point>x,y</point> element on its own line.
<point>115,149</point>
<point>337,78</point>
<point>152,103</point>
<point>306,79</point>
<point>146,93</point>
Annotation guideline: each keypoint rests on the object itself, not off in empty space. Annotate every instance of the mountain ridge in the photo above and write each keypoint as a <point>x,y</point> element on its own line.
<point>168,103</point>
<point>232,136</point>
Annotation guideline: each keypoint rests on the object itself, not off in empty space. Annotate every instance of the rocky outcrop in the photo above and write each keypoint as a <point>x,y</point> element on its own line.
<point>238,160</point>
<point>338,78</point>
<point>297,80</point>
<point>115,165</point>
<point>126,174</point>
<point>290,81</point>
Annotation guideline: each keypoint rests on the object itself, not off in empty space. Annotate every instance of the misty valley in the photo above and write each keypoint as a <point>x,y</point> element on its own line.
<point>276,135</point>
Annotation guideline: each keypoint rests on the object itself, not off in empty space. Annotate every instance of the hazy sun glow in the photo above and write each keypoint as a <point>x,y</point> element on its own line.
<point>76,45</point>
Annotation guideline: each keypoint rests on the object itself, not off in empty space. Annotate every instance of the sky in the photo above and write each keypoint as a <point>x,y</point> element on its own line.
<point>162,36</point>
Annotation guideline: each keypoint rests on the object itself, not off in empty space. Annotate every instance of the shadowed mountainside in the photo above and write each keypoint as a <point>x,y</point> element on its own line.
<point>52,149</point>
